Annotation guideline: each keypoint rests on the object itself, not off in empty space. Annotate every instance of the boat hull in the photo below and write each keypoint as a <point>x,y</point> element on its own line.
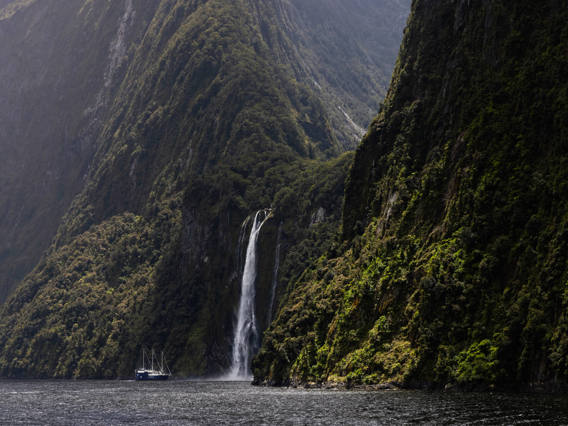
<point>151,376</point>
<point>156,370</point>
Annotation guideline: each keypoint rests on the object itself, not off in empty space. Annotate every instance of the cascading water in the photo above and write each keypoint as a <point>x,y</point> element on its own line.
<point>274,276</point>
<point>246,331</point>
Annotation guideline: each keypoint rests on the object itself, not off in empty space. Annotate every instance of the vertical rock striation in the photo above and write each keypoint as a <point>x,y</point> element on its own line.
<point>164,124</point>
<point>453,266</point>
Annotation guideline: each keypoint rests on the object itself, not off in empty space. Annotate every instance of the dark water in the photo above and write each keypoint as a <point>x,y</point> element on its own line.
<point>185,402</point>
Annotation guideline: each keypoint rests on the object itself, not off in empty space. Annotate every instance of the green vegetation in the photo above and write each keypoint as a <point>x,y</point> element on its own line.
<point>205,121</point>
<point>87,304</point>
<point>180,85</point>
<point>452,268</point>
<point>54,98</point>
<point>12,7</point>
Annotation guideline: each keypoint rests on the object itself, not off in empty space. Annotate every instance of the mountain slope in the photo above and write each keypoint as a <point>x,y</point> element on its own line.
<point>65,67</point>
<point>453,267</point>
<point>202,123</point>
<point>58,71</point>
<point>343,49</point>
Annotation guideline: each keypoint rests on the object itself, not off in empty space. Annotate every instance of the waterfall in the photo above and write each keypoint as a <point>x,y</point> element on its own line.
<point>274,276</point>
<point>116,56</point>
<point>117,53</point>
<point>241,244</point>
<point>246,332</point>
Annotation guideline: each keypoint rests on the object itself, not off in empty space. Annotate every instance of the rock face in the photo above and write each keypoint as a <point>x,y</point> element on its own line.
<point>137,136</point>
<point>55,83</point>
<point>343,46</point>
<point>453,263</point>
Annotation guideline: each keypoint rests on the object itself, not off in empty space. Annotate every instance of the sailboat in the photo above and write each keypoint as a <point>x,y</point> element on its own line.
<point>158,370</point>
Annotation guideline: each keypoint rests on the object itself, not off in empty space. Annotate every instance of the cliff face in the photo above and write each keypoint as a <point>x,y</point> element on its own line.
<point>343,47</point>
<point>164,125</point>
<point>66,67</point>
<point>59,68</point>
<point>453,266</point>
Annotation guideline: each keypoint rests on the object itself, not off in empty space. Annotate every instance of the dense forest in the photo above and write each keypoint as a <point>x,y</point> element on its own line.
<point>452,264</point>
<point>137,138</point>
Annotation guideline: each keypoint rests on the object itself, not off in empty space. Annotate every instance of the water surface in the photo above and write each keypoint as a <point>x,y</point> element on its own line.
<point>187,402</point>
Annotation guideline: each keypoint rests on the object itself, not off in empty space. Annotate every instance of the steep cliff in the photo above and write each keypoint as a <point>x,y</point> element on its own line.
<point>344,49</point>
<point>453,266</point>
<point>64,65</point>
<point>60,66</point>
<point>186,117</point>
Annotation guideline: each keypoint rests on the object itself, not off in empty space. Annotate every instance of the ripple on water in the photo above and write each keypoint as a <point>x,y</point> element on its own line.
<point>186,402</point>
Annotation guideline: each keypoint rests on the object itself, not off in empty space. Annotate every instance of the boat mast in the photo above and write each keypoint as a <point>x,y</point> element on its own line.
<point>166,364</point>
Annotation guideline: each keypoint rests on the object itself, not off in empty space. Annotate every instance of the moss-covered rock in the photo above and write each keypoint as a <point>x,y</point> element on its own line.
<point>454,222</point>
<point>186,117</point>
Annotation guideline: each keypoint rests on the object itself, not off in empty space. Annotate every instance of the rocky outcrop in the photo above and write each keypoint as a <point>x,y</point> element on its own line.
<point>452,268</point>
<point>182,120</point>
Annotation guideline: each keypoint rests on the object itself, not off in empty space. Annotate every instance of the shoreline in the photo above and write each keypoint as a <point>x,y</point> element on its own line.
<point>544,388</point>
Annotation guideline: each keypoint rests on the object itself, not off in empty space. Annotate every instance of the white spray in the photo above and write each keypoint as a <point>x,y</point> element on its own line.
<point>274,276</point>
<point>246,331</point>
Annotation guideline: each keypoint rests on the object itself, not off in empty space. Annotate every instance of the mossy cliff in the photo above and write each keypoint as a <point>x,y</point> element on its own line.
<point>65,68</point>
<point>56,79</point>
<point>195,115</point>
<point>453,265</point>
